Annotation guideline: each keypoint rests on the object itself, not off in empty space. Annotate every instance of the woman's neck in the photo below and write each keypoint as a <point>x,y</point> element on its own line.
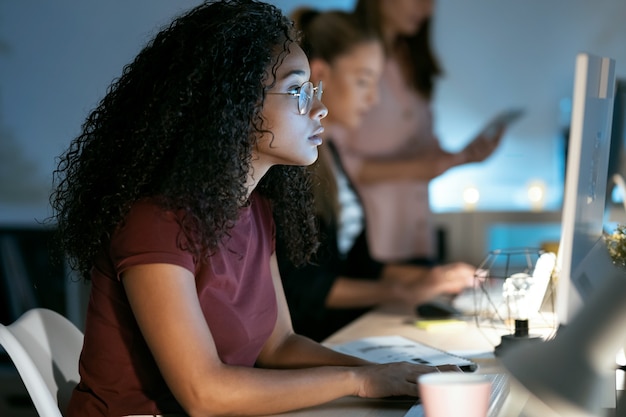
<point>256,172</point>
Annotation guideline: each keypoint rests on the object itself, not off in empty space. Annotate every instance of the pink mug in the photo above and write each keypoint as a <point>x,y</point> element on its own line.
<point>454,394</point>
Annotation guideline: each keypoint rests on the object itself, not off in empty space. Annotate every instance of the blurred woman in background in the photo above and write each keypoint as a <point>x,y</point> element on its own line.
<point>324,296</point>
<point>392,156</point>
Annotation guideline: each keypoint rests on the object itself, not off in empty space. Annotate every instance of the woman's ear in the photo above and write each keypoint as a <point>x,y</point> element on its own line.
<point>320,70</point>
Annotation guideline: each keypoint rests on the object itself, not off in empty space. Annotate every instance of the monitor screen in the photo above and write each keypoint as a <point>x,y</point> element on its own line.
<point>582,217</point>
<point>616,193</point>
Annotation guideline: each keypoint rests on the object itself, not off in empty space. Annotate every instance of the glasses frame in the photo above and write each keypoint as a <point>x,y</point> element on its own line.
<point>305,99</point>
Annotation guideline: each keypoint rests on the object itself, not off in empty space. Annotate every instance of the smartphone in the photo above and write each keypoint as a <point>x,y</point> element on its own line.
<point>501,120</point>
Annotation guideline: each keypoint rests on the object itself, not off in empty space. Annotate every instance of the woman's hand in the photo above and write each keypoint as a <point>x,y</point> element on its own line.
<point>416,285</point>
<point>393,379</point>
<point>482,146</point>
<point>452,278</point>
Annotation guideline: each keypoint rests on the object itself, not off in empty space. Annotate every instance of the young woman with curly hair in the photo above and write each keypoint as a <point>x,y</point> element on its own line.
<point>166,202</point>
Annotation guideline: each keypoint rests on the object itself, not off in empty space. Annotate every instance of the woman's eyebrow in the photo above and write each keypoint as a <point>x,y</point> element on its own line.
<point>366,71</point>
<point>296,72</point>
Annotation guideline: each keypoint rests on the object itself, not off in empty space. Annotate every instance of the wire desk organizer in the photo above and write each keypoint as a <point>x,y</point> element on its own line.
<point>515,287</point>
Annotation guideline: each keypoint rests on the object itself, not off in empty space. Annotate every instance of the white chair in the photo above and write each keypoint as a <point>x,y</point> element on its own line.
<point>45,348</point>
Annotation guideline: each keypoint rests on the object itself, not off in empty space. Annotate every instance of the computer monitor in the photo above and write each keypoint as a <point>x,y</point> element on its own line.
<point>573,374</point>
<point>582,218</point>
<point>616,193</point>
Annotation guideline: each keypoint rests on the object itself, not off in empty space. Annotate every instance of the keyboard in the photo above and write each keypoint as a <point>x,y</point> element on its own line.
<point>499,391</point>
<point>385,349</point>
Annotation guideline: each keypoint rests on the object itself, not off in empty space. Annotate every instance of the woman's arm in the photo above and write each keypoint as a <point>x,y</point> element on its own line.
<point>164,301</point>
<point>401,283</point>
<point>285,349</point>
<point>362,293</point>
<point>422,167</point>
<point>422,284</point>
<point>428,165</point>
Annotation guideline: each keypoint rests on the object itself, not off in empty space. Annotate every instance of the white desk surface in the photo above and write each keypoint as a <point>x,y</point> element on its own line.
<point>399,321</point>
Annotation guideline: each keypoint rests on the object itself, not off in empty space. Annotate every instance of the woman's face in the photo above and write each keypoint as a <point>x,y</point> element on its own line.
<point>405,17</point>
<point>294,138</point>
<point>351,84</point>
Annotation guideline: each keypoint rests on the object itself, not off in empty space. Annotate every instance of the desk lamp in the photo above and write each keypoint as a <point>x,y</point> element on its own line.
<point>522,292</point>
<point>565,376</point>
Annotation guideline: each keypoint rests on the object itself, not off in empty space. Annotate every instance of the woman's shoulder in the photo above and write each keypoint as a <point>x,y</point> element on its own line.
<point>148,220</point>
<point>149,210</point>
<point>260,203</point>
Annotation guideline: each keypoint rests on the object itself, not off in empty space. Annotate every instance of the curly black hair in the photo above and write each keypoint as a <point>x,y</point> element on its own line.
<point>179,125</point>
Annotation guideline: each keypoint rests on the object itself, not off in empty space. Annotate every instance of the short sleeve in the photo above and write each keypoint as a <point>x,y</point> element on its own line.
<point>149,235</point>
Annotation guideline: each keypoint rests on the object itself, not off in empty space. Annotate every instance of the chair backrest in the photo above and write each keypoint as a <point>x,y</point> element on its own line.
<point>45,348</point>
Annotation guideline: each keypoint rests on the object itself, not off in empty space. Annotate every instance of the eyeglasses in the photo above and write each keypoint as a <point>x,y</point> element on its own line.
<point>305,96</point>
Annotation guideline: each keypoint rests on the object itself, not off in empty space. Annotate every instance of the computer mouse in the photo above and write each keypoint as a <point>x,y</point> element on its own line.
<point>437,309</point>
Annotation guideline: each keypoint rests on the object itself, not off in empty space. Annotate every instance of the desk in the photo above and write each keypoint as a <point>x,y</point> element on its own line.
<point>387,321</point>
<point>392,320</point>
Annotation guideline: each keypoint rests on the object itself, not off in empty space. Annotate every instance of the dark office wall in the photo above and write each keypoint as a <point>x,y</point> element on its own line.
<point>57,58</point>
<point>31,272</point>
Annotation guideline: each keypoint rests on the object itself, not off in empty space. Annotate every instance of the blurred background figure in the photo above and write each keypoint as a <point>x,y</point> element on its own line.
<point>348,59</point>
<point>394,153</point>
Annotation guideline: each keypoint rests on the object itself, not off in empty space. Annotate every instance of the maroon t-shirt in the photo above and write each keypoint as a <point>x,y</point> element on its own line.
<point>118,373</point>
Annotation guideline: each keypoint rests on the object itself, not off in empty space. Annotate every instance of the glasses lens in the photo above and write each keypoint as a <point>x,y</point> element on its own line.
<point>319,91</point>
<point>305,100</point>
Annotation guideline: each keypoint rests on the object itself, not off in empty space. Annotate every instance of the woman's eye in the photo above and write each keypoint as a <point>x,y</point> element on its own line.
<point>294,90</point>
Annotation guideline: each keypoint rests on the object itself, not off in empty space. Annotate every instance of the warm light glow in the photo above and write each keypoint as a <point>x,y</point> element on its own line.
<point>536,192</point>
<point>471,195</point>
